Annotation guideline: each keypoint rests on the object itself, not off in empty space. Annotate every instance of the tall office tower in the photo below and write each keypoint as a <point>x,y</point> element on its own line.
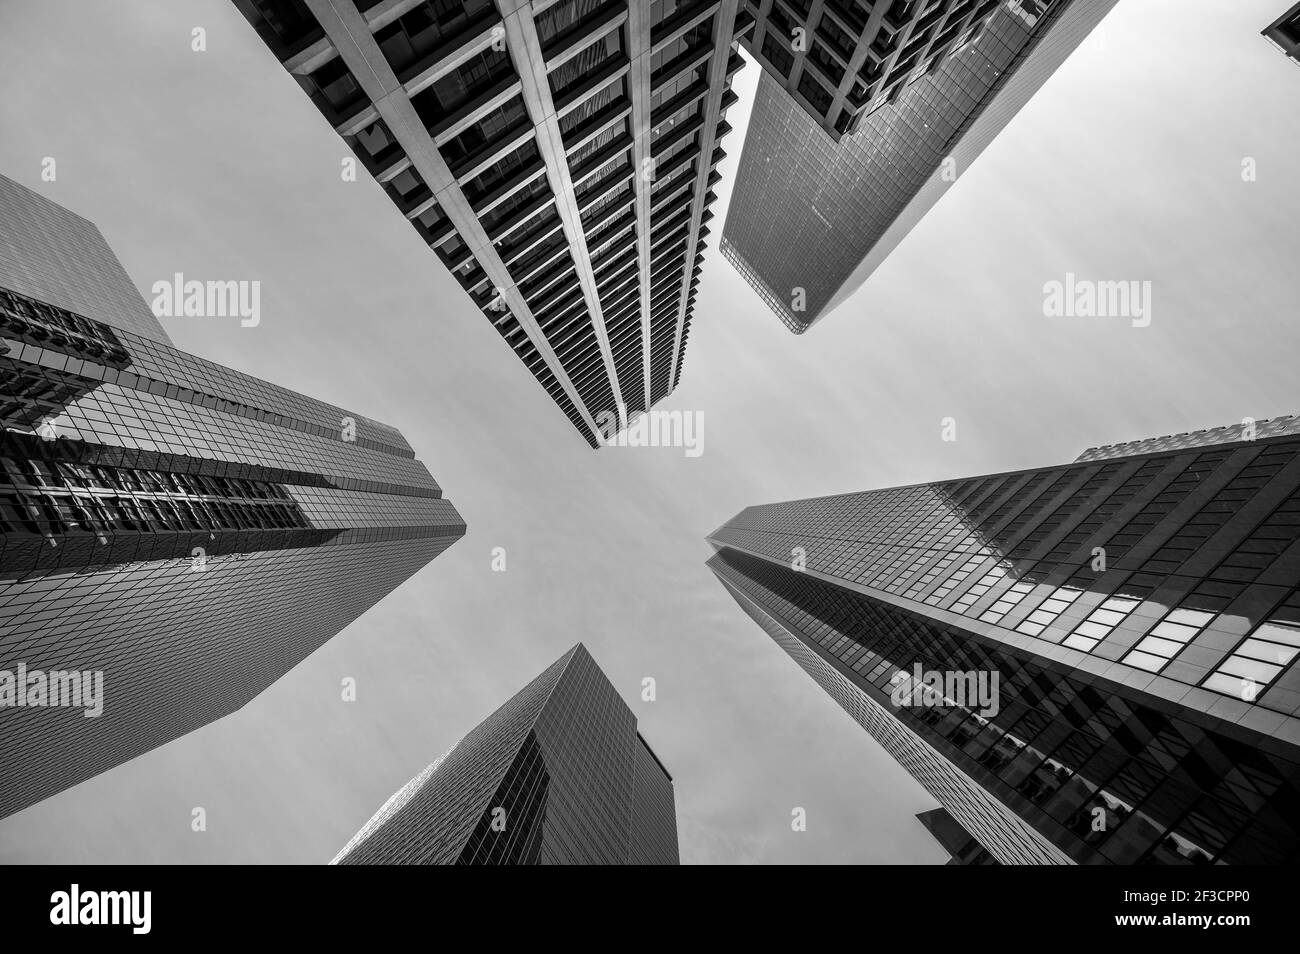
<point>957,841</point>
<point>1285,32</point>
<point>559,157</point>
<point>557,775</point>
<point>174,535</point>
<point>1092,662</point>
<point>810,219</point>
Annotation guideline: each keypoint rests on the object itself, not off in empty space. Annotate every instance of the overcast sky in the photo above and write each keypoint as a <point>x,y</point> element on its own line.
<point>1125,166</point>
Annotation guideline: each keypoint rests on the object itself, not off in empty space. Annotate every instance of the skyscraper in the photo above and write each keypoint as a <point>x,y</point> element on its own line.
<point>1092,662</point>
<point>557,775</point>
<point>174,535</point>
<point>558,156</point>
<point>810,218</point>
<point>1285,32</point>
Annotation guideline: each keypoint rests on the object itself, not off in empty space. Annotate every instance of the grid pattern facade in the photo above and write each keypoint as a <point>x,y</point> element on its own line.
<point>1285,32</point>
<point>1142,613</point>
<point>190,532</point>
<point>519,807</point>
<point>54,255</point>
<point>1246,430</point>
<point>844,206</point>
<point>843,59</point>
<point>557,155</point>
<point>558,775</point>
<point>430,820</point>
<point>1013,840</point>
<point>653,830</point>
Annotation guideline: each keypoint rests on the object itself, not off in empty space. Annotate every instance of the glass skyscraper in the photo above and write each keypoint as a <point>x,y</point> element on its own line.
<point>557,775</point>
<point>176,532</point>
<point>559,158</point>
<point>811,218</point>
<point>1134,617</point>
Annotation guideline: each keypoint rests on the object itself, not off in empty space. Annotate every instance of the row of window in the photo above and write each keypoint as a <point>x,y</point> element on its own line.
<point>50,514</point>
<point>35,322</point>
<point>59,497</point>
<point>22,472</point>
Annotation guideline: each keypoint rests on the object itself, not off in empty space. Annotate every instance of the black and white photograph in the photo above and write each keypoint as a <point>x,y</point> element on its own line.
<point>651,432</point>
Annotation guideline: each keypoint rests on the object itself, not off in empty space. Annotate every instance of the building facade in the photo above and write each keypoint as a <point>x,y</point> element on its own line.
<point>1285,32</point>
<point>51,254</point>
<point>174,535</point>
<point>841,60</point>
<point>557,775</point>
<point>558,156</point>
<point>1090,663</point>
<point>811,218</point>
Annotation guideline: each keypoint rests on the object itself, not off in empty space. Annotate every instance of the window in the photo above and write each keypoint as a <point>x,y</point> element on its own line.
<point>831,69</point>
<point>1258,661</point>
<point>1006,602</point>
<point>415,35</point>
<point>1167,638</point>
<point>78,498</point>
<point>460,151</point>
<point>558,23</point>
<point>579,71</point>
<point>407,189</point>
<point>776,54</point>
<point>591,108</point>
<point>815,93</point>
<point>969,598</point>
<point>948,585</point>
<point>1048,611</point>
<point>1100,623</point>
<point>509,169</point>
<point>473,78</point>
<point>336,87</point>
